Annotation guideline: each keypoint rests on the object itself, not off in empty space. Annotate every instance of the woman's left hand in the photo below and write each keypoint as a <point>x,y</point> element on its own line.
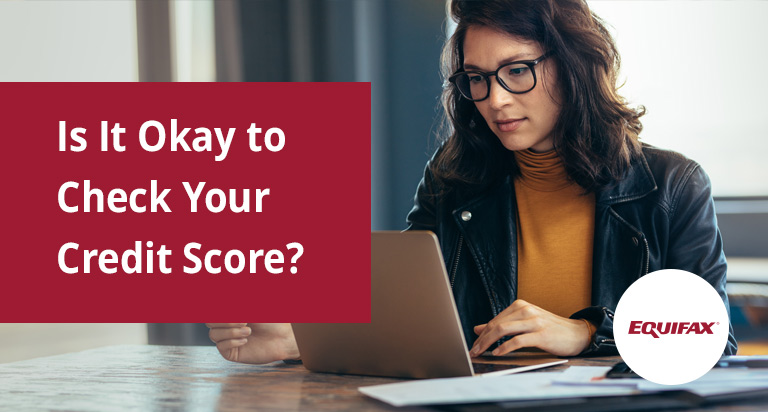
<point>534,327</point>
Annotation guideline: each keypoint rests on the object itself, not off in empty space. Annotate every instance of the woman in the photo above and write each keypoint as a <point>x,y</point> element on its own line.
<point>546,205</point>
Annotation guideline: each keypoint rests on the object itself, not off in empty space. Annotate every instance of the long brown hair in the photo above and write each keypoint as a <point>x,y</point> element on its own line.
<point>596,133</point>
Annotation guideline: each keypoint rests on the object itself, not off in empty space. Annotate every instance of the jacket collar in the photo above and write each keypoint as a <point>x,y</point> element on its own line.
<point>637,182</point>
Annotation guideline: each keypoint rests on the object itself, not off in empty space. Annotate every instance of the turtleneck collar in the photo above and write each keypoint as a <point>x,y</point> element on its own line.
<point>544,172</point>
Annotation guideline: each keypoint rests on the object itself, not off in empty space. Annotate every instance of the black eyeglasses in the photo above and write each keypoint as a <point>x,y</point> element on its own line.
<point>515,77</point>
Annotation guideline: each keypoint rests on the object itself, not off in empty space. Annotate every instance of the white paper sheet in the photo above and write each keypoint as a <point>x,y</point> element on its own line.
<point>527,386</point>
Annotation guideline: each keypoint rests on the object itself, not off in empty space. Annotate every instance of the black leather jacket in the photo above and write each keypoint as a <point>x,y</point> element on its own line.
<point>660,216</point>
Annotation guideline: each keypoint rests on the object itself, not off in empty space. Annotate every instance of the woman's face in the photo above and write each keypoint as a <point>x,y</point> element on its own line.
<point>520,121</point>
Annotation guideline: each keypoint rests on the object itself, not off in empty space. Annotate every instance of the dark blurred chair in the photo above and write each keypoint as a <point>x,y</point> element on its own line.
<point>185,334</point>
<point>748,295</point>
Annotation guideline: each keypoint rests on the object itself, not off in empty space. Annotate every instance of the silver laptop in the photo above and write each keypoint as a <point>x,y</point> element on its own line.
<point>415,330</point>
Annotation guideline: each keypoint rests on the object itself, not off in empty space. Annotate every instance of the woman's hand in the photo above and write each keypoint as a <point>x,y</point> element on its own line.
<point>534,327</point>
<point>254,343</point>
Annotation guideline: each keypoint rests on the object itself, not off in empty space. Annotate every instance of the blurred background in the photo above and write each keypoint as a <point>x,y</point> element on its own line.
<point>696,66</point>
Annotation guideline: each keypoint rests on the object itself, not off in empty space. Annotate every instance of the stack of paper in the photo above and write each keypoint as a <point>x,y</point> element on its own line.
<point>717,381</point>
<point>576,381</point>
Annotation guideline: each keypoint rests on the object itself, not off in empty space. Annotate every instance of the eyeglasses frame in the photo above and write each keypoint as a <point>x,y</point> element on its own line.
<point>487,76</point>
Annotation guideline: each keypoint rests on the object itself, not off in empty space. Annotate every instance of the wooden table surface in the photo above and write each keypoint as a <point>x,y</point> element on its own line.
<point>177,378</point>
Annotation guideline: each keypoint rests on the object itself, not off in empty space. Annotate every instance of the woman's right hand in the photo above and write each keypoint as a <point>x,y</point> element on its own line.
<point>254,343</point>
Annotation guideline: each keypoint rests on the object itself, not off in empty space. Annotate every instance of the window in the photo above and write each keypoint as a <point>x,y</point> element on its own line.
<point>50,41</point>
<point>698,67</point>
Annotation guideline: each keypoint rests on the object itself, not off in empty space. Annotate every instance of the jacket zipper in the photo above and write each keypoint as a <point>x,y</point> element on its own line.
<point>647,255</point>
<point>456,261</point>
<point>643,269</point>
<point>493,303</point>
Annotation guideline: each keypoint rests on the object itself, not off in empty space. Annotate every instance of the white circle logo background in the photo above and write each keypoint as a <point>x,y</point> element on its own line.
<point>671,295</point>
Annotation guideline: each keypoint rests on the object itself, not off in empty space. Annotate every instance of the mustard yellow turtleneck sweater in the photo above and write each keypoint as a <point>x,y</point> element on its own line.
<point>555,231</point>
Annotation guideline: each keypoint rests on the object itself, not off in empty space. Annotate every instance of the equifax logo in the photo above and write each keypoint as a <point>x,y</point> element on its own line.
<point>655,329</point>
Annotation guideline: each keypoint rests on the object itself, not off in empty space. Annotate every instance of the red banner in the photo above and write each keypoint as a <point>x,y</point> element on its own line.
<point>185,202</point>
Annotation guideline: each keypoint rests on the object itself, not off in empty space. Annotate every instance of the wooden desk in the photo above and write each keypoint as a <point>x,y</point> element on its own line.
<point>153,378</point>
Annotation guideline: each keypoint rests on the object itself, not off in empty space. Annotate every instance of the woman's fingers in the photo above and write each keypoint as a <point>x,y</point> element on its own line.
<point>254,343</point>
<point>517,342</point>
<point>225,333</point>
<point>229,337</point>
<point>498,328</point>
<point>231,349</point>
<point>229,344</point>
<point>519,317</point>
<point>531,326</point>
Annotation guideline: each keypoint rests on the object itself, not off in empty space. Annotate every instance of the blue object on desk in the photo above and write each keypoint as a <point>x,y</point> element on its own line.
<point>760,361</point>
